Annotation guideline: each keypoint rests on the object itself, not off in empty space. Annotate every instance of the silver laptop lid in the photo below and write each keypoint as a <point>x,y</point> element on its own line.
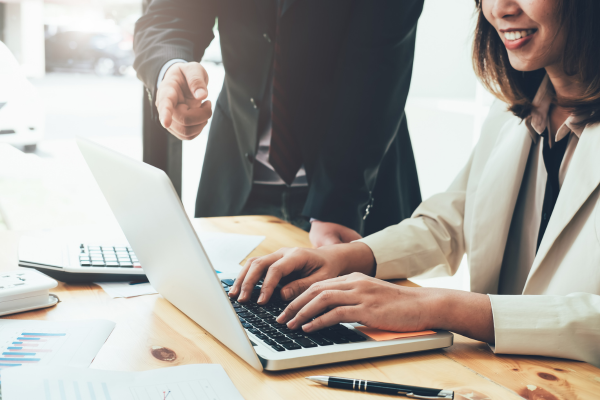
<point>154,221</point>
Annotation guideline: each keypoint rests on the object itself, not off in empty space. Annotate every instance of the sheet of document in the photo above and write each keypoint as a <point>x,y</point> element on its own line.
<point>227,250</point>
<point>126,289</point>
<point>30,343</point>
<point>188,382</point>
<point>51,343</point>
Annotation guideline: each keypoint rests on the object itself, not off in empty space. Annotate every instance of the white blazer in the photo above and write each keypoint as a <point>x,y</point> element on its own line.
<point>558,314</point>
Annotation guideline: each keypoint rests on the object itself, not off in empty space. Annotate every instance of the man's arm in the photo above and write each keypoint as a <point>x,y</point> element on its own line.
<point>171,29</point>
<point>371,86</point>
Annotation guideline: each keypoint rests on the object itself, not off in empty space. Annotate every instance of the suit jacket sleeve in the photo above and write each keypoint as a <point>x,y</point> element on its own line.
<point>551,326</point>
<point>370,89</point>
<point>171,29</point>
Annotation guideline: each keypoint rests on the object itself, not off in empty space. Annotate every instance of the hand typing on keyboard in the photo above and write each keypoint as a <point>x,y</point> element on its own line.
<point>330,286</point>
<point>299,268</point>
<point>260,320</point>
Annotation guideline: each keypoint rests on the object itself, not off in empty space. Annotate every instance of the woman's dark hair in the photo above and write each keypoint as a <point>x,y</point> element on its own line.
<point>580,19</point>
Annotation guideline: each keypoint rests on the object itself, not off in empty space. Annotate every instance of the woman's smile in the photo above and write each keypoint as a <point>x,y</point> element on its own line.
<point>516,38</point>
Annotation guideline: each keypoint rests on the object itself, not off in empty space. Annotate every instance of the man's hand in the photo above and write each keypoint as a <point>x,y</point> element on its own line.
<point>327,233</point>
<point>179,100</point>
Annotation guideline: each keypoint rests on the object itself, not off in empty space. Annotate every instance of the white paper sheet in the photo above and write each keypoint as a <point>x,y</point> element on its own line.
<point>51,343</point>
<point>126,289</point>
<point>188,382</point>
<point>227,250</point>
<point>29,343</point>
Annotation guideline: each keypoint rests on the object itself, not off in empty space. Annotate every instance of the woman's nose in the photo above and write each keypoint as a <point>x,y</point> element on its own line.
<point>505,8</point>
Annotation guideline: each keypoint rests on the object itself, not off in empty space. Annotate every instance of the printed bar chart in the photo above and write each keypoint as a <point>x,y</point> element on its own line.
<point>42,334</point>
<point>30,347</point>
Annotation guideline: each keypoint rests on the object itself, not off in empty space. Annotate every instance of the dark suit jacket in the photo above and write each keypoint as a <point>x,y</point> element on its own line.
<point>347,66</point>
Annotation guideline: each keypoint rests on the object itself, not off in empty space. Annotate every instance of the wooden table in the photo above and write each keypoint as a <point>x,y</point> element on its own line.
<point>151,333</point>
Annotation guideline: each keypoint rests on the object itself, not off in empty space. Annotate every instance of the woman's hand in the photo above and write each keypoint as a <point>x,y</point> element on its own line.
<point>301,268</point>
<point>383,305</point>
<point>359,298</point>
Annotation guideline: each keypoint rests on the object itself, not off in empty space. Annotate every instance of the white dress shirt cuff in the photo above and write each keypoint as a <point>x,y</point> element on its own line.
<point>164,69</point>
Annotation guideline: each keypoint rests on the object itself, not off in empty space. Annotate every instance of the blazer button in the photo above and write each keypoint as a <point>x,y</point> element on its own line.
<point>267,37</point>
<point>253,102</point>
<point>250,158</point>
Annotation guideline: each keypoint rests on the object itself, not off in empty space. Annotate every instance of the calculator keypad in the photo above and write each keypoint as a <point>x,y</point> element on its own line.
<point>108,256</point>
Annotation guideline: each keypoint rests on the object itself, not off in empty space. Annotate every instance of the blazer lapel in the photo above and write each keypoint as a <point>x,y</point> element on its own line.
<point>494,205</point>
<point>583,177</point>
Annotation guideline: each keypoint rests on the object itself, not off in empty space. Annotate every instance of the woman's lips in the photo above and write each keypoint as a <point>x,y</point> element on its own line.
<point>517,38</point>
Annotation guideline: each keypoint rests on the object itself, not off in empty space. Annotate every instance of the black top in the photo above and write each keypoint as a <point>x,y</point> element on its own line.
<point>553,157</point>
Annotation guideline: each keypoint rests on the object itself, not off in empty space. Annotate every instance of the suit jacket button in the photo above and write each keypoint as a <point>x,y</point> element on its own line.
<point>250,157</point>
<point>267,37</point>
<point>254,104</point>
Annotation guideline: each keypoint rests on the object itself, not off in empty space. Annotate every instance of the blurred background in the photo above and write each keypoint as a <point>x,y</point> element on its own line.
<point>73,76</point>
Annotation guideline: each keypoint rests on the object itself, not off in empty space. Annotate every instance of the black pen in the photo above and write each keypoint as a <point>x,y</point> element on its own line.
<point>382,387</point>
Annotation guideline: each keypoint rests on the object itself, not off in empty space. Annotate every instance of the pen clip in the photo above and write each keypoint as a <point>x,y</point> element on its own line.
<point>444,394</point>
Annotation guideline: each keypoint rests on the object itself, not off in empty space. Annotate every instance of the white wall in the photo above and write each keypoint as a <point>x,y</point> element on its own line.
<point>443,110</point>
<point>442,65</point>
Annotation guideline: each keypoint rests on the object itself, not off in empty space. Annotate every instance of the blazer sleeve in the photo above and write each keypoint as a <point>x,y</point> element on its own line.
<point>551,326</point>
<point>171,29</point>
<point>370,88</point>
<point>432,240</point>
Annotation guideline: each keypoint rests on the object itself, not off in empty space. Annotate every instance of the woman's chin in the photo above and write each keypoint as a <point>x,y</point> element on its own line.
<point>524,66</point>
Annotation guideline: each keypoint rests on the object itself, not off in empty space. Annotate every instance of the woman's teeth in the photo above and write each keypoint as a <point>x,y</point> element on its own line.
<point>516,35</point>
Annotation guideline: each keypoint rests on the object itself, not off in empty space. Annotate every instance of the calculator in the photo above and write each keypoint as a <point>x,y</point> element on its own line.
<point>23,290</point>
<point>80,262</point>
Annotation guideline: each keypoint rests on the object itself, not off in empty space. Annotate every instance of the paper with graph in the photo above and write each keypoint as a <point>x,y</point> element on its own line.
<point>51,343</point>
<point>188,382</point>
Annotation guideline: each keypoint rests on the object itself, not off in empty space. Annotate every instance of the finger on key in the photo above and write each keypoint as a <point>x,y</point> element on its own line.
<point>235,289</point>
<point>292,261</point>
<point>315,289</point>
<point>325,301</point>
<point>333,317</point>
<point>257,270</point>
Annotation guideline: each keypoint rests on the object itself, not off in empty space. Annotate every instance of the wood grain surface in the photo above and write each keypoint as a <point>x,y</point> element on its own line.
<point>151,333</point>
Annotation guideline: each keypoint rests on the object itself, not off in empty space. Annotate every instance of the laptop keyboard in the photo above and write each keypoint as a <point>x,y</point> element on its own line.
<point>108,256</point>
<point>260,321</point>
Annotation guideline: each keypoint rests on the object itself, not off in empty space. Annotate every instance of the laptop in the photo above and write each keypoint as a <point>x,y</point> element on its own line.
<point>176,264</point>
